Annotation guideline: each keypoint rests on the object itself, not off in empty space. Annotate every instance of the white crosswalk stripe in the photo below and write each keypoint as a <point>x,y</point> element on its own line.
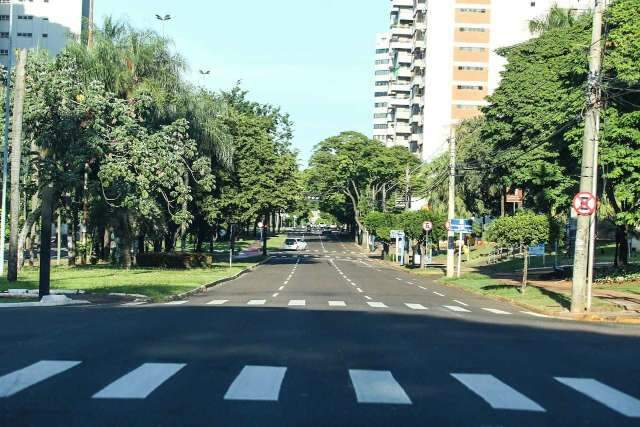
<point>461,303</point>
<point>297,302</point>
<point>257,383</point>
<point>19,380</point>
<point>377,387</point>
<point>176,302</point>
<point>415,306</point>
<point>456,308</point>
<point>614,399</point>
<point>337,304</point>
<point>257,302</point>
<point>377,304</point>
<point>495,311</point>
<point>134,303</point>
<point>496,393</point>
<point>218,302</point>
<point>141,382</point>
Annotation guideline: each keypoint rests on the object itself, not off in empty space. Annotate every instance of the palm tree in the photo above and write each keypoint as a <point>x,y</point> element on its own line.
<point>557,17</point>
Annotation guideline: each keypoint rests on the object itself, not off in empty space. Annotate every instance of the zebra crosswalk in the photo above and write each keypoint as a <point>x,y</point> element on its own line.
<point>371,387</point>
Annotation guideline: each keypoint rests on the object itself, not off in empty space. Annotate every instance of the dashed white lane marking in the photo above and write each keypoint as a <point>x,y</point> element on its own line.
<point>257,383</point>
<point>398,279</point>
<point>496,393</point>
<point>415,306</point>
<point>257,302</point>
<point>297,302</point>
<point>461,303</point>
<point>218,302</point>
<point>176,302</point>
<point>438,293</point>
<point>337,304</point>
<point>359,290</point>
<point>423,288</point>
<point>456,308</point>
<point>377,304</point>
<point>495,311</point>
<point>614,399</point>
<point>286,282</point>
<point>377,387</point>
<point>368,297</point>
<point>21,379</point>
<point>141,382</point>
<point>275,295</point>
<point>281,288</point>
<point>531,313</point>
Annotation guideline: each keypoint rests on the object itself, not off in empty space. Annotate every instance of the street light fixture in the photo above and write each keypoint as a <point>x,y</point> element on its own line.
<point>163,20</point>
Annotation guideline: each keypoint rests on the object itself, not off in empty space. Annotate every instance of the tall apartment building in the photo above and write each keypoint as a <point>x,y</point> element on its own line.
<point>452,62</point>
<point>46,24</point>
<point>381,94</point>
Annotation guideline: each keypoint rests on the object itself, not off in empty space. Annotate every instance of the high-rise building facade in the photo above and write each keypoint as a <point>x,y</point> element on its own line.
<point>381,94</point>
<point>45,24</point>
<point>453,64</point>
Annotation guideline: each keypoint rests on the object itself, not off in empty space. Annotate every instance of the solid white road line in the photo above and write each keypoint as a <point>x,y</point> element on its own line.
<point>377,304</point>
<point>438,293</point>
<point>461,303</point>
<point>218,302</point>
<point>141,382</point>
<point>132,304</point>
<point>377,387</point>
<point>281,288</point>
<point>415,306</point>
<point>176,302</point>
<point>620,402</point>
<point>257,383</point>
<point>337,304</point>
<point>496,393</point>
<point>297,302</point>
<point>495,311</point>
<point>257,302</point>
<point>19,380</point>
<point>456,308</point>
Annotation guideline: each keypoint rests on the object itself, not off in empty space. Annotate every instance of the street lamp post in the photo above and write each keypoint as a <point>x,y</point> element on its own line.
<point>5,156</point>
<point>203,74</point>
<point>163,20</point>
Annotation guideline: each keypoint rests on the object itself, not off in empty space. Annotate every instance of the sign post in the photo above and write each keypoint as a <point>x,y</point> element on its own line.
<point>462,226</point>
<point>399,236</point>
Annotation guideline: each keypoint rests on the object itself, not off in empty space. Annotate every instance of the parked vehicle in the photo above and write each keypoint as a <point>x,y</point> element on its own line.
<point>296,244</point>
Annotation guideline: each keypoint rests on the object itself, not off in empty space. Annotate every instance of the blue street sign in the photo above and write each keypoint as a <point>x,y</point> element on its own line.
<point>538,250</point>
<point>461,226</point>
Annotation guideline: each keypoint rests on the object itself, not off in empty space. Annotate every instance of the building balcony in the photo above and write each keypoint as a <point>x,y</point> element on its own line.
<point>418,63</point>
<point>396,87</point>
<point>402,44</point>
<point>403,129</point>
<point>399,101</point>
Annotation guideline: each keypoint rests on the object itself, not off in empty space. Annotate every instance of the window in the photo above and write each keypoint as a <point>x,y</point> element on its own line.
<point>466,107</point>
<point>381,104</point>
<point>382,50</point>
<point>378,94</point>
<point>4,35</point>
<point>382,83</point>
<point>26,17</point>
<point>28,35</point>
<point>470,87</point>
<point>380,126</point>
<point>4,17</point>
<point>382,61</point>
<point>469,68</point>
<point>471,49</point>
<point>380,116</point>
<point>4,52</point>
<point>382,72</point>
<point>45,35</point>
<point>470,10</point>
<point>472,30</point>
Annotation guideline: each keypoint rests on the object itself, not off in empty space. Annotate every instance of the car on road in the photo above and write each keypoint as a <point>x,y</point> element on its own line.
<point>294,244</point>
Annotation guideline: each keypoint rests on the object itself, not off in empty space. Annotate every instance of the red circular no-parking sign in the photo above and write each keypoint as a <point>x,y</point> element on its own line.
<point>585,204</point>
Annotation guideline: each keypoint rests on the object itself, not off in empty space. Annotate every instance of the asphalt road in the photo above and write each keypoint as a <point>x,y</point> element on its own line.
<point>324,337</point>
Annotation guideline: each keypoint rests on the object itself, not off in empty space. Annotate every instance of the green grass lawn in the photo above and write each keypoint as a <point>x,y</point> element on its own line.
<point>104,279</point>
<point>534,297</point>
<point>273,243</point>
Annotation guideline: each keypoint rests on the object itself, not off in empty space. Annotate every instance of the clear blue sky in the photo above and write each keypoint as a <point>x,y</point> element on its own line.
<point>314,59</point>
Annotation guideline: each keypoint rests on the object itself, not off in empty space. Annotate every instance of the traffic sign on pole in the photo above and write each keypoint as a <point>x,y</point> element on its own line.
<point>585,204</point>
<point>427,226</point>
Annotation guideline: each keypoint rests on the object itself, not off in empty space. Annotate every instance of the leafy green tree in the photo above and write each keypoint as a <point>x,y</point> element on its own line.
<point>524,229</point>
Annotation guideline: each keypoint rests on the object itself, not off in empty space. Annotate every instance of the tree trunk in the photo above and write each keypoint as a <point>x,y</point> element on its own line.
<point>184,227</point>
<point>24,233</point>
<point>71,240</point>
<point>16,154</point>
<point>125,239</point>
<point>141,240</point>
<point>157,245</point>
<point>423,254</point>
<point>106,244</point>
<point>525,272</point>
<point>45,239</point>
<point>385,250</point>
<point>99,241</point>
<point>503,196</point>
<point>622,246</point>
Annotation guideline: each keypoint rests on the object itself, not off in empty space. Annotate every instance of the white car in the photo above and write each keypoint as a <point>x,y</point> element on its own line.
<point>296,244</point>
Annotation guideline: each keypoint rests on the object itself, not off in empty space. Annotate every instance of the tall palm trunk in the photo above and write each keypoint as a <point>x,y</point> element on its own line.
<point>16,153</point>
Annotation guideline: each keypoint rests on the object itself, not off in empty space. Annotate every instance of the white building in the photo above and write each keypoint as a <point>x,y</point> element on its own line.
<point>444,63</point>
<point>47,24</point>
<point>381,93</point>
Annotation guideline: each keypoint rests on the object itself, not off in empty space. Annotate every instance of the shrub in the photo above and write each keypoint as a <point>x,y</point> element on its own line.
<point>174,260</point>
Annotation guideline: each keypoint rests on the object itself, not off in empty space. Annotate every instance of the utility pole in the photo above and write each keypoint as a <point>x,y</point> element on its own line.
<point>7,124</point>
<point>579,290</point>
<point>408,189</point>
<point>451,250</point>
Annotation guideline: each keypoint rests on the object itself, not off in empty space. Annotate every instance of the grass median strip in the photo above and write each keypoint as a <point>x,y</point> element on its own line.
<point>157,284</point>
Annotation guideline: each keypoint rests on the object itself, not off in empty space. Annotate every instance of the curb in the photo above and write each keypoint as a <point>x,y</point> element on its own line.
<point>204,288</point>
